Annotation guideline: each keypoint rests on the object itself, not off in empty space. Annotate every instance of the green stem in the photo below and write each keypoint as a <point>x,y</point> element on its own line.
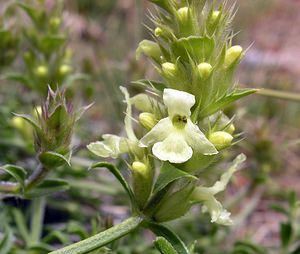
<point>37,177</point>
<point>37,219</point>
<point>279,94</point>
<point>101,239</point>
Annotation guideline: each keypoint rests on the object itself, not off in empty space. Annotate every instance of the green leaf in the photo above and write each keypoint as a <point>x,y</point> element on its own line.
<point>165,4</point>
<point>41,248</point>
<point>7,241</point>
<point>16,172</point>
<point>57,235</point>
<point>279,209</point>
<point>18,77</point>
<point>160,230</point>
<point>52,159</point>
<point>71,79</point>
<point>245,247</point>
<point>77,229</point>
<point>21,224</point>
<point>146,83</point>
<point>292,199</point>
<point>31,12</point>
<point>164,246</point>
<point>101,239</point>
<point>115,171</point>
<point>196,47</point>
<point>168,174</point>
<point>47,187</point>
<point>286,232</point>
<point>226,100</point>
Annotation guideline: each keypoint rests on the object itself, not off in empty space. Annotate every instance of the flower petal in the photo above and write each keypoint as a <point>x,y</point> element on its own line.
<point>197,140</point>
<point>128,117</point>
<point>178,102</point>
<point>225,177</point>
<point>111,146</point>
<point>218,214</point>
<point>173,149</point>
<point>206,195</point>
<point>158,133</point>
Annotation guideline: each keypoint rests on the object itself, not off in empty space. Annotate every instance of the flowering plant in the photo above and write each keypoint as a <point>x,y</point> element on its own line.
<point>175,128</point>
<point>181,126</point>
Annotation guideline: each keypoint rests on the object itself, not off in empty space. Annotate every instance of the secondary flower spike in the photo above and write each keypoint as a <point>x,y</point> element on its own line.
<point>175,137</point>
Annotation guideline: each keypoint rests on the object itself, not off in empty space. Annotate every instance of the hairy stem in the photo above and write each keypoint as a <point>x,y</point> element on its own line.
<point>101,239</point>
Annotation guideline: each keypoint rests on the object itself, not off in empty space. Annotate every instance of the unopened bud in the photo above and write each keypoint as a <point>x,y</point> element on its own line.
<point>41,71</point>
<point>23,127</point>
<point>220,139</point>
<point>169,70</point>
<point>158,31</point>
<point>215,16</point>
<point>18,122</point>
<point>65,69</point>
<point>147,120</point>
<point>142,182</point>
<point>55,22</point>
<point>150,49</point>
<point>37,112</point>
<point>139,167</point>
<point>232,55</point>
<point>204,70</point>
<point>183,14</point>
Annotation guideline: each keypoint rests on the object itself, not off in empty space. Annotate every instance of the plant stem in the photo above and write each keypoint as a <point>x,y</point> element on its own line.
<point>101,239</point>
<point>279,94</point>
<point>37,177</point>
<point>37,219</point>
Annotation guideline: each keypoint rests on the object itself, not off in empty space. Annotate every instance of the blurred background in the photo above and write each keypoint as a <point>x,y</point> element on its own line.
<point>102,36</point>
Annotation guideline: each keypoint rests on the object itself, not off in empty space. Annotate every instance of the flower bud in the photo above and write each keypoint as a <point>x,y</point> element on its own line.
<point>169,70</point>
<point>204,70</point>
<point>183,14</point>
<point>65,69</point>
<point>23,127</point>
<point>147,120</point>
<point>139,167</point>
<point>158,32</point>
<point>150,49</point>
<point>145,103</point>
<point>142,181</point>
<point>232,55</point>
<point>220,139</point>
<point>37,112</point>
<point>55,22</point>
<point>215,16</point>
<point>41,71</point>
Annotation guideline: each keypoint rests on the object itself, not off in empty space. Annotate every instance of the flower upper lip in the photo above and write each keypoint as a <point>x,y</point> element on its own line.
<point>175,137</point>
